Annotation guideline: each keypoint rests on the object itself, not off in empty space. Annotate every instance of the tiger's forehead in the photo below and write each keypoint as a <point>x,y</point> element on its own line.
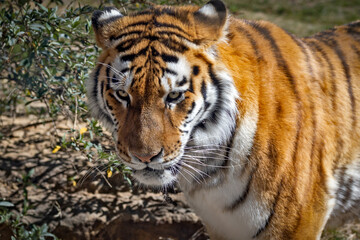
<point>151,50</point>
<point>153,67</point>
<point>158,19</point>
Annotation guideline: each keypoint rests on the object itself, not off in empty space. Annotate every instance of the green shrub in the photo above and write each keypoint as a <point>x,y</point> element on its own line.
<point>46,55</point>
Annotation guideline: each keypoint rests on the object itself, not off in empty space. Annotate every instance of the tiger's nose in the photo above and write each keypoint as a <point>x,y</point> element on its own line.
<point>147,158</point>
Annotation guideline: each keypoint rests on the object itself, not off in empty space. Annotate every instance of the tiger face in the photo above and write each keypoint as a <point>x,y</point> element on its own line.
<point>157,88</point>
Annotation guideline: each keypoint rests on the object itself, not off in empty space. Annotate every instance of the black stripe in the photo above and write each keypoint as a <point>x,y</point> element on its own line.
<point>136,24</point>
<point>203,90</point>
<point>354,24</point>
<point>225,162</point>
<point>112,96</point>
<point>243,196</point>
<point>138,70</point>
<point>282,64</point>
<point>131,57</point>
<point>124,70</point>
<point>278,55</point>
<point>230,147</point>
<point>347,190</point>
<point>126,45</point>
<point>108,68</point>
<point>171,33</point>
<point>169,71</point>
<point>191,87</point>
<point>325,35</point>
<point>96,81</point>
<point>175,46</point>
<point>354,34</point>
<point>272,212</point>
<point>251,40</point>
<point>155,61</point>
<point>145,12</point>
<point>154,52</point>
<point>165,11</point>
<point>353,29</point>
<point>301,45</point>
<point>132,68</point>
<point>335,46</point>
<point>185,132</point>
<point>128,57</point>
<point>102,91</point>
<point>106,103</point>
<point>340,191</point>
<point>189,121</point>
<point>356,50</point>
<point>182,82</point>
<point>195,70</point>
<point>112,38</point>
<point>151,38</point>
<point>114,79</point>
<point>108,106</point>
<point>168,25</point>
<point>204,94</point>
<point>215,114</point>
<point>169,58</point>
<point>319,49</point>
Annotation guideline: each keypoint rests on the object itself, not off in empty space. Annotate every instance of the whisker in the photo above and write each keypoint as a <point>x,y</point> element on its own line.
<point>184,177</point>
<point>210,165</point>
<point>112,68</point>
<point>192,175</point>
<point>224,158</point>
<point>200,172</point>
<point>89,172</point>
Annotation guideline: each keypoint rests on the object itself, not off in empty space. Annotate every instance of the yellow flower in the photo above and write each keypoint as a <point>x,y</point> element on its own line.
<point>74,183</point>
<point>109,173</point>
<point>72,139</point>
<point>83,130</point>
<point>56,149</point>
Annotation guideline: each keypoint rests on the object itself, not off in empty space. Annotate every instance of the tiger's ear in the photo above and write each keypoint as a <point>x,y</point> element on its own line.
<point>105,24</point>
<point>210,21</point>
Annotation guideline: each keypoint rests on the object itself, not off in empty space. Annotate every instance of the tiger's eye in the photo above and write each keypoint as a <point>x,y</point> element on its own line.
<point>123,94</point>
<point>173,95</point>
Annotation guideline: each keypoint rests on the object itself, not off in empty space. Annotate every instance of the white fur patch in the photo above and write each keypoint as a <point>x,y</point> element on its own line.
<point>211,200</point>
<point>182,68</point>
<point>332,187</point>
<point>118,65</point>
<point>109,14</point>
<point>220,132</point>
<point>208,10</point>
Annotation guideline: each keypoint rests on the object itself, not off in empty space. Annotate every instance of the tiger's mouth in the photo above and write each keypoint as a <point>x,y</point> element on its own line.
<point>153,177</point>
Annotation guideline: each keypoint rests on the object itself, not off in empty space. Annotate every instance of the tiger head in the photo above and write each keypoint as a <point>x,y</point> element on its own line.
<point>160,87</point>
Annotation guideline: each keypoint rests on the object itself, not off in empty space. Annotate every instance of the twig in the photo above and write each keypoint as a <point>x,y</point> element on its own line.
<point>31,125</point>
<point>103,175</point>
<point>76,112</point>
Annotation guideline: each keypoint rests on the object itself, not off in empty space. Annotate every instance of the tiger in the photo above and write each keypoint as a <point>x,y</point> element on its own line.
<point>257,127</point>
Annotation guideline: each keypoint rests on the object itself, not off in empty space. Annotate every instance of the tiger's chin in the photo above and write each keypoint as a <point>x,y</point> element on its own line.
<point>156,178</point>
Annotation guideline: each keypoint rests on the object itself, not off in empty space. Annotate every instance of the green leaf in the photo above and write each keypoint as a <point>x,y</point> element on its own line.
<point>12,41</point>
<point>37,26</point>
